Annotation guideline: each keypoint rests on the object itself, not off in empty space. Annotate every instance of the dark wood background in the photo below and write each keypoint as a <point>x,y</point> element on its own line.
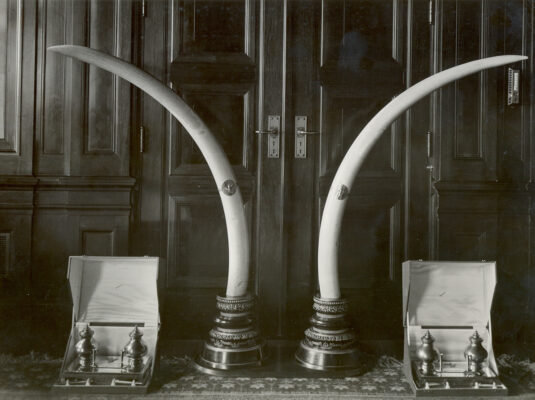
<point>451,180</point>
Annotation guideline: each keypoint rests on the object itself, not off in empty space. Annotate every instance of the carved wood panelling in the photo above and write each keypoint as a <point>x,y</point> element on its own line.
<point>212,58</point>
<point>211,65</point>
<point>343,119</point>
<point>197,242</point>
<point>362,56</point>
<point>101,235</point>
<point>481,201</point>
<point>83,112</point>
<point>489,222</point>
<point>369,246</point>
<point>17,32</point>
<point>202,29</point>
<point>53,87</point>
<point>106,99</point>
<point>11,27</point>
<point>360,72</point>
<point>15,248</point>
<point>228,113</point>
<point>5,253</point>
<point>97,243</point>
<point>467,120</point>
<point>197,247</point>
<point>75,216</point>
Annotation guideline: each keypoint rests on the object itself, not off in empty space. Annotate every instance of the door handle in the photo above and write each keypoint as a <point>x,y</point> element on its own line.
<point>301,134</point>
<point>273,129</point>
<point>513,86</point>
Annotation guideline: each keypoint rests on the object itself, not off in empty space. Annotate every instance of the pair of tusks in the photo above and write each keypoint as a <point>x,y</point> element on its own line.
<point>238,236</point>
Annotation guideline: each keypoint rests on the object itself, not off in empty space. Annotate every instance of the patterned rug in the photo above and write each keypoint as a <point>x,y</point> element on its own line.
<point>32,377</point>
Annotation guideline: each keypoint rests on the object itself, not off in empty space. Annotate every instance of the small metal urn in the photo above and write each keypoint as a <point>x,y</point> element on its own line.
<point>134,352</point>
<point>86,350</point>
<point>475,354</point>
<point>427,354</point>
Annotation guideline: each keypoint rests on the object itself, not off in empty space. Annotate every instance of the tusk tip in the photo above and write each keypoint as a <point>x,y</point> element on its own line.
<point>58,48</point>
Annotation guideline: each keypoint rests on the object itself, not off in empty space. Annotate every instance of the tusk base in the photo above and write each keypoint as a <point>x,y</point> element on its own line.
<point>330,343</point>
<point>235,341</point>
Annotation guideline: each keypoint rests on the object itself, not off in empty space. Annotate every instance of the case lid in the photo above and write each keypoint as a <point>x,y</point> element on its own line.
<point>446,293</point>
<point>114,289</point>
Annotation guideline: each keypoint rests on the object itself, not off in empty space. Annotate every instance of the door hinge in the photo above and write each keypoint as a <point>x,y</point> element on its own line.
<point>143,8</point>
<point>431,12</point>
<point>141,139</point>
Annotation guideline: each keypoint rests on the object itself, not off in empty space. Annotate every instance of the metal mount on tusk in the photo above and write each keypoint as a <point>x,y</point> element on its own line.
<point>229,187</point>
<point>342,193</point>
<point>329,344</point>
<point>235,341</point>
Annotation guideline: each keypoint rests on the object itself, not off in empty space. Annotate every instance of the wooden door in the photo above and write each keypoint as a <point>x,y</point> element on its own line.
<point>65,178</point>
<point>449,180</point>
<point>351,69</point>
<point>481,163</point>
<point>237,63</point>
<point>207,52</point>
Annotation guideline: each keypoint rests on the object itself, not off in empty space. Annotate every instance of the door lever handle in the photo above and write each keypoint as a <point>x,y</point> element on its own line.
<point>301,132</point>
<point>513,86</point>
<point>273,129</point>
<point>269,132</point>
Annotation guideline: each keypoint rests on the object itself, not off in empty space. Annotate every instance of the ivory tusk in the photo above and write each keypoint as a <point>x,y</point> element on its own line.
<point>238,235</point>
<point>347,171</point>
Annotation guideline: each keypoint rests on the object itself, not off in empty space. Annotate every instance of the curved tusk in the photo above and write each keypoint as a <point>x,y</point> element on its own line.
<point>238,235</point>
<point>347,171</point>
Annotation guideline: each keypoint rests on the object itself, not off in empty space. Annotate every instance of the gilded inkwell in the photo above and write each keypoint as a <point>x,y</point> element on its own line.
<point>134,352</point>
<point>427,355</point>
<point>86,350</point>
<point>475,355</point>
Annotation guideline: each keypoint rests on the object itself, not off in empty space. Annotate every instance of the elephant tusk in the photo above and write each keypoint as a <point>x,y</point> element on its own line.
<point>347,171</point>
<point>238,235</point>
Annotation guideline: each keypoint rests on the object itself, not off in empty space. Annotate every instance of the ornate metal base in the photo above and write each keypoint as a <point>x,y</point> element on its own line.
<point>235,341</point>
<point>330,343</point>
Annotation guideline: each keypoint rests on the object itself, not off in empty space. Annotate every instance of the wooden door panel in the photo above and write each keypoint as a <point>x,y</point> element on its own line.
<point>468,238</point>
<point>361,70</point>
<point>197,242</point>
<point>11,26</point>
<point>212,66</point>
<point>344,119</point>
<point>369,246</point>
<point>83,113</point>
<point>213,26</point>
<point>16,86</point>
<point>228,114</point>
<point>54,87</point>
<point>482,195</point>
<point>105,100</point>
<point>468,107</point>
<point>358,34</point>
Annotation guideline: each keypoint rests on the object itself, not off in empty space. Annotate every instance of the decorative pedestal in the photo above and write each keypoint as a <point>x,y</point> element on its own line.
<point>330,343</point>
<point>234,341</point>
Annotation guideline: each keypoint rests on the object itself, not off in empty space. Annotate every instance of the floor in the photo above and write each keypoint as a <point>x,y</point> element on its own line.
<point>280,378</point>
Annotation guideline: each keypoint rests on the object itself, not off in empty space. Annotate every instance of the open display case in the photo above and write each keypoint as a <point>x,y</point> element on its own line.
<point>115,324</point>
<point>448,332</point>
